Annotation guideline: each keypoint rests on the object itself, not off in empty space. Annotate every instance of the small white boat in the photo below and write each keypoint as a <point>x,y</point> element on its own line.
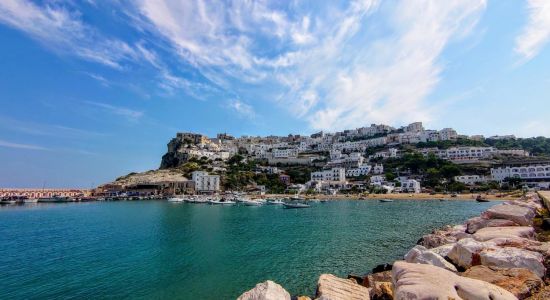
<point>296,205</point>
<point>222,202</point>
<point>253,203</point>
<point>275,202</point>
<point>386,200</point>
<point>175,199</point>
<point>30,200</point>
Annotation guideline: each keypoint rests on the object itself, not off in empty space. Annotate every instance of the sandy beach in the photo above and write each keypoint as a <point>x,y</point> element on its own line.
<point>405,196</point>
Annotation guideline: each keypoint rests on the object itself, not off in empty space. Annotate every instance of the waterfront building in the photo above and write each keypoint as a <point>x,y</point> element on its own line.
<point>410,186</point>
<point>528,172</point>
<point>333,175</point>
<point>205,183</point>
<point>471,179</point>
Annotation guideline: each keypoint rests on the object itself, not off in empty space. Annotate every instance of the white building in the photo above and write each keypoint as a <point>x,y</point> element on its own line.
<point>377,179</point>
<point>526,172</point>
<point>205,182</point>
<point>410,186</point>
<point>471,179</point>
<point>360,171</point>
<point>378,169</point>
<point>414,127</point>
<point>285,152</point>
<point>334,174</point>
<point>447,134</point>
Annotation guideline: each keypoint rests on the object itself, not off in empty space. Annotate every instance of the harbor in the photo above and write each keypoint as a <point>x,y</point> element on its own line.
<point>158,249</point>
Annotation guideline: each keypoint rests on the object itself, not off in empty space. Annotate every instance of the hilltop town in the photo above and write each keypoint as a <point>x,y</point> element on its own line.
<point>374,159</point>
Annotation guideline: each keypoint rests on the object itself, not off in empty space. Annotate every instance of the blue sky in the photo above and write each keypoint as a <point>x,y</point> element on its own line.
<point>91,90</point>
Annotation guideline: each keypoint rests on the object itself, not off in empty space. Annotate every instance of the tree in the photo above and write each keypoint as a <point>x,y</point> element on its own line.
<point>513,181</point>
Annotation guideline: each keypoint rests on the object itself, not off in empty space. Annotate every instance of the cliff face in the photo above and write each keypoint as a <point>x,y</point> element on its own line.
<point>174,157</point>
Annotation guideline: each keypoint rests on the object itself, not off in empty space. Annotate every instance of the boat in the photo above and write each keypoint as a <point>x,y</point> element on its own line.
<point>296,205</point>
<point>54,199</point>
<point>275,202</point>
<point>29,201</point>
<point>175,199</point>
<point>253,202</point>
<point>221,202</point>
<point>385,200</point>
<point>479,198</point>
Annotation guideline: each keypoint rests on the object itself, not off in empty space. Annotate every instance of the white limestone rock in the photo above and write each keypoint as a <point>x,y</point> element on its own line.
<point>509,257</point>
<point>474,224</point>
<point>331,287</point>
<point>420,255</point>
<point>465,253</point>
<point>515,213</point>
<point>443,250</point>
<point>419,281</point>
<point>268,290</point>
<point>489,233</point>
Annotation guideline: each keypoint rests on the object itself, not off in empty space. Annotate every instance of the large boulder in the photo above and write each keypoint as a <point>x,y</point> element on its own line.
<point>443,250</point>
<point>420,255</point>
<point>268,290</point>
<point>331,287</point>
<point>446,235</point>
<point>465,253</point>
<point>418,281</point>
<point>370,280</point>
<point>518,281</point>
<point>382,291</point>
<point>518,214</point>
<point>509,257</point>
<point>489,233</point>
<point>523,243</point>
<point>474,224</point>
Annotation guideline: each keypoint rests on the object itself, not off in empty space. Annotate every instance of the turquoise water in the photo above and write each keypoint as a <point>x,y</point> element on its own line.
<point>161,250</point>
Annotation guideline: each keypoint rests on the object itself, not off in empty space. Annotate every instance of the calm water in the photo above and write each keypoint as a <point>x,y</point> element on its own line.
<point>161,250</point>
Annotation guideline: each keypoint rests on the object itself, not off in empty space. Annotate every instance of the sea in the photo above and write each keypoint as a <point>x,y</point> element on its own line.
<point>162,250</point>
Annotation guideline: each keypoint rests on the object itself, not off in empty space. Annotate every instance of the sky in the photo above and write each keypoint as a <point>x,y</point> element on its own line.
<point>91,90</point>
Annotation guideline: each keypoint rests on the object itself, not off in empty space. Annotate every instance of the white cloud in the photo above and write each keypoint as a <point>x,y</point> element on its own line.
<point>129,114</point>
<point>242,109</point>
<point>7,144</point>
<point>62,30</point>
<point>537,31</point>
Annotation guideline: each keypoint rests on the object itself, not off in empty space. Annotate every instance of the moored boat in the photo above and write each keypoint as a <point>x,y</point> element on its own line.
<point>480,198</point>
<point>385,200</point>
<point>253,202</point>
<point>275,202</point>
<point>296,205</point>
<point>55,199</point>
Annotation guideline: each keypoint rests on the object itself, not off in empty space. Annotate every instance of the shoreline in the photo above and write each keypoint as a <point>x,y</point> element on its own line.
<point>402,196</point>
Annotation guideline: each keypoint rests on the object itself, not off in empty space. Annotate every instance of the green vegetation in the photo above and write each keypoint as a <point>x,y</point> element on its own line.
<point>448,144</point>
<point>434,169</point>
<point>536,146</point>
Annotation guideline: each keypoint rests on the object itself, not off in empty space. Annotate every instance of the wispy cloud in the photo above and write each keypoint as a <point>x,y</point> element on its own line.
<point>536,33</point>
<point>62,30</point>
<point>324,66</point>
<point>8,144</point>
<point>42,129</point>
<point>125,112</point>
<point>241,109</point>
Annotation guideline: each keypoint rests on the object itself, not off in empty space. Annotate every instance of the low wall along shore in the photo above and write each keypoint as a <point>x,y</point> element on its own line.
<point>502,254</point>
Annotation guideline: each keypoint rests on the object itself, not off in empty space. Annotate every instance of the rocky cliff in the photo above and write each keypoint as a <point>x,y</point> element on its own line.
<point>174,157</point>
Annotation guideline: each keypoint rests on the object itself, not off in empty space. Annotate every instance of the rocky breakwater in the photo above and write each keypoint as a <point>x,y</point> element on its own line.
<point>502,254</point>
